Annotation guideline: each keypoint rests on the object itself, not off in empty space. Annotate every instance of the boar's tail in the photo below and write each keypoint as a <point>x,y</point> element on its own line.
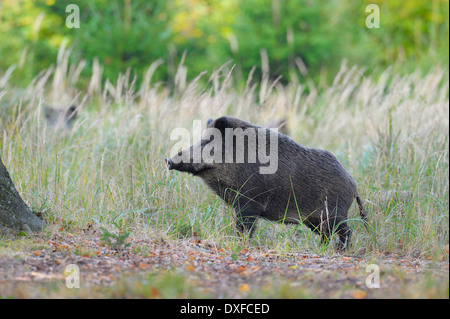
<point>362,211</point>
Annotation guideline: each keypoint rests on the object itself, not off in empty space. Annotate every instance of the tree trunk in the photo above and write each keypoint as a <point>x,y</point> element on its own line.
<point>14,213</point>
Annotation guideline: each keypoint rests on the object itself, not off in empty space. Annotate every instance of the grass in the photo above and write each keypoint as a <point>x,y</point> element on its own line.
<point>391,134</point>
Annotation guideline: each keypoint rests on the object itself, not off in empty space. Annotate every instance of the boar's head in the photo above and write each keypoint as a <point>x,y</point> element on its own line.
<point>201,156</point>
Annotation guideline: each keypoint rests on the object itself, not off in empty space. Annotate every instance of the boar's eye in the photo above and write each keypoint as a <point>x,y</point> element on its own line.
<point>207,139</point>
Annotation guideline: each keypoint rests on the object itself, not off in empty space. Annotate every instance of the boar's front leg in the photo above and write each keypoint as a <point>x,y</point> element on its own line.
<point>246,218</point>
<point>246,224</point>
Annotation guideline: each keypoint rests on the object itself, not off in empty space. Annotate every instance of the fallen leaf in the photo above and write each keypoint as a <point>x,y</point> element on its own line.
<point>142,266</point>
<point>255,268</point>
<point>241,268</point>
<point>358,294</point>
<point>244,288</point>
<point>154,293</point>
<point>37,252</point>
<point>190,268</point>
<point>346,258</point>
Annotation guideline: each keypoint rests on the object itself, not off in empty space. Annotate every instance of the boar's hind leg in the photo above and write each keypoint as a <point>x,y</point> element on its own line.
<point>344,236</point>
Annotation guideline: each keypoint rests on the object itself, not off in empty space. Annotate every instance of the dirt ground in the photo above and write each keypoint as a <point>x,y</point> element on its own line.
<point>194,269</point>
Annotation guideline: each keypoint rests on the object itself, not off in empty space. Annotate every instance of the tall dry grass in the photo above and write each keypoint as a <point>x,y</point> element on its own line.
<point>390,132</point>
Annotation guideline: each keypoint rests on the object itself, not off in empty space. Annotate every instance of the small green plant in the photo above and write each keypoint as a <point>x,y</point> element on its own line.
<point>117,240</point>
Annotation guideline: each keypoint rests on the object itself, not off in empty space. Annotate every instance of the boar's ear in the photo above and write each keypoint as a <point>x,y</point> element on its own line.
<point>221,123</point>
<point>209,122</point>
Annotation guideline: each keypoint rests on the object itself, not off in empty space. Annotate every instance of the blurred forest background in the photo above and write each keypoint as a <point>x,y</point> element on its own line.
<point>304,39</point>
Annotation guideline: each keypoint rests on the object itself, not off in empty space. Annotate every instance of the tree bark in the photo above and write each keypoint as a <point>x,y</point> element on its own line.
<point>14,213</point>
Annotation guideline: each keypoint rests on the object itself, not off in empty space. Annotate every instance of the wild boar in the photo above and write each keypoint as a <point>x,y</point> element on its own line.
<point>264,174</point>
<point>61,118</point>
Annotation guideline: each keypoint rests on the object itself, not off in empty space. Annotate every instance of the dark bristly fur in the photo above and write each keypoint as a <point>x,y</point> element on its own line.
<point>309,186</point>
<point>61,117</point>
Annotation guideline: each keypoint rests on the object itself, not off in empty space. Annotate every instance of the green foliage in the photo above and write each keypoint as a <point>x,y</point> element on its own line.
<point>28,42</point>
<point>121,34</point>
<point>412,34</point>
<point>116,240</point>
<point>302,38</point>
<point>291,31</point>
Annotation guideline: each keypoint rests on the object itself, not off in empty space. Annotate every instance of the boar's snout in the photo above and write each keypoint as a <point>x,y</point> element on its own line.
<point>169,163</point>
